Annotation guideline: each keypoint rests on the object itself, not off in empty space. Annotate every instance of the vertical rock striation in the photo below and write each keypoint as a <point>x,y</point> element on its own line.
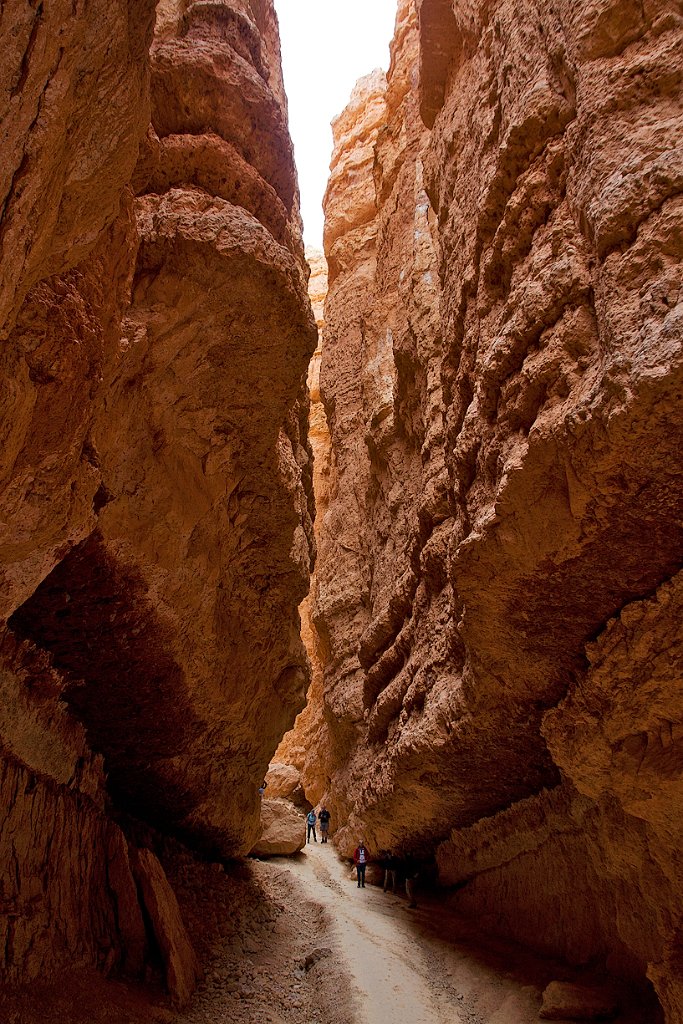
<point>380,377</point>
<point>157,481</point>
<point>497,585</point>
<point>75,103</point>
<point>302,747</point>
<point>350,246</point>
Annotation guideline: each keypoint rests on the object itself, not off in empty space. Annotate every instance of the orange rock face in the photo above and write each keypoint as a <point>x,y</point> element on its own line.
<point>305,746</point>
<point>497,575</point>
<point>75,103</point>
<point>156,498</point>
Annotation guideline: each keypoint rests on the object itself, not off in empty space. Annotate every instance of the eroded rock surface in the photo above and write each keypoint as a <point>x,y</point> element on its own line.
<point>283,830</point>
<point>501,370</point>
<point>304,747</point>
<point>156,498</point>
<point>161,905</point>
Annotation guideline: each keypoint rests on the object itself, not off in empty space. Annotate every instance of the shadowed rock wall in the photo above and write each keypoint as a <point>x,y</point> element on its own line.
<point>156,476</point>
<point>502,371</point>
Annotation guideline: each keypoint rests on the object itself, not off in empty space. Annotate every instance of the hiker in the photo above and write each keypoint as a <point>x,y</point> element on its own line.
<point>391,866</point>
<point>311,819</point>
<point>411,872</point>
<point>262,788</point>
<point>324,819</point>
<point>360,859</point>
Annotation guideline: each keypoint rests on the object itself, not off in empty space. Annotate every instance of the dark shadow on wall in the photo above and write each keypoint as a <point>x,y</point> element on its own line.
<point>96,620</point>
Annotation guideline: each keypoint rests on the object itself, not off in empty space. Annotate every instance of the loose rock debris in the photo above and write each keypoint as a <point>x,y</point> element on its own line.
<point>294,941</point>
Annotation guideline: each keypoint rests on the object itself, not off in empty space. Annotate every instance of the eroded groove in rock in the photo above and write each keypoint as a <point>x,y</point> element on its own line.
<point>501,372</point>
<point>157,498</point>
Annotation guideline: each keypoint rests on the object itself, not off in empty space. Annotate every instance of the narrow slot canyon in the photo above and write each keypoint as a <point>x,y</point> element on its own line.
<point>387,524</point>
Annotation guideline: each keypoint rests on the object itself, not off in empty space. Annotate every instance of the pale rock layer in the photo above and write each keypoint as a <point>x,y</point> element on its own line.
<point>497,598</point>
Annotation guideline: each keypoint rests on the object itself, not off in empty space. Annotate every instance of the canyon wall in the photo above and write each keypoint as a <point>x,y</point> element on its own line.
<point>156,495</point>
<point>497,592</point>
<point>305,746</point>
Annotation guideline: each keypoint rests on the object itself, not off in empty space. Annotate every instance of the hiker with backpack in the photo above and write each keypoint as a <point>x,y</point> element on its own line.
<point>391,869</point>
<point>361,857</point>
<point>311,819</point>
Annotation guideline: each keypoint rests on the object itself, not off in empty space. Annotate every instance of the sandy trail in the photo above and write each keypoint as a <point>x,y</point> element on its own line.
<point>404,964</point>
<point>376,945</point>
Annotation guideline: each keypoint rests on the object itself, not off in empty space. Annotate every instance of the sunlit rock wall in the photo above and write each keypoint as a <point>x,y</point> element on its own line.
<point>156,492</point>
<point>502,380</point>
<point>302,747</point>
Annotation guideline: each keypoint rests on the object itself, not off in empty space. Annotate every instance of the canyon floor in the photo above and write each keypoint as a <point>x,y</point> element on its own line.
<point>294,941</point>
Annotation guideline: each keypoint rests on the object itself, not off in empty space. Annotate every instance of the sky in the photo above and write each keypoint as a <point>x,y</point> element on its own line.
<point>326,47</point>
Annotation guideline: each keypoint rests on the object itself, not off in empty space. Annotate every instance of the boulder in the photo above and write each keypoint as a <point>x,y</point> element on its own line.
<point>565,1001</point>
<point>283,781</point>
<point>180,960</point>
<point>282,830</point>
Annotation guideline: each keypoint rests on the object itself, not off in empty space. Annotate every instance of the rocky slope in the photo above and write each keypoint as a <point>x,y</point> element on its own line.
<point>156,478</point>
<point>497,585</point>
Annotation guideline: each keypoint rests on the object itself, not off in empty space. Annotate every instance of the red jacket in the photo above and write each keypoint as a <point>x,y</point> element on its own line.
<point>356,854</point>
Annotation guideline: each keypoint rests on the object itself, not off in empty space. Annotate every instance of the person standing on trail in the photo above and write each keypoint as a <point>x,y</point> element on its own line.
<point>311,819</point>
<point>391,866</point>
<point>360,859</point>
<point>324,819</point>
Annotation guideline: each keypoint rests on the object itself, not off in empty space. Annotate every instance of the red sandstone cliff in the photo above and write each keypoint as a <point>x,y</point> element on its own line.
<point>497,585</point>
<point>156,477</point>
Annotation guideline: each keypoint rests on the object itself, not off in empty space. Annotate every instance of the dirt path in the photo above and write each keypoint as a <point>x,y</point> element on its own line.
<point>406,965</point>
<point>425,966</point>
<point>376,945</point>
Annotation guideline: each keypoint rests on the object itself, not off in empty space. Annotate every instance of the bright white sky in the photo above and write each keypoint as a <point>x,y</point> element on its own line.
<point>326,46</point>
